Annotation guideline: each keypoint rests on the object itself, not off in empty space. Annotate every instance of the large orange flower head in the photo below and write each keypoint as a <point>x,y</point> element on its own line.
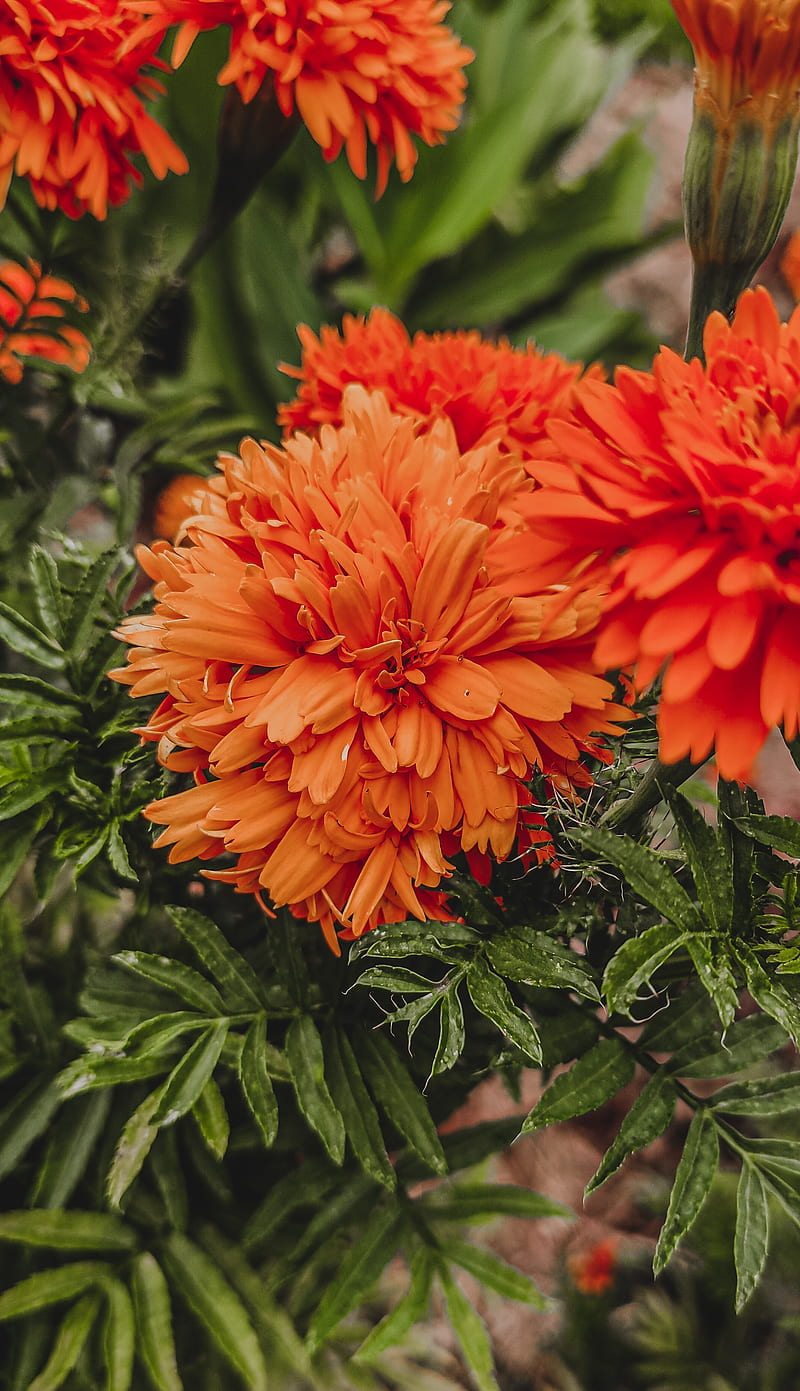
<point>356,70</point>
<point>71,112</point>
<point>689,477</point>
<point>32,320</point>
<point>355,691</point>
<point>747,54</point>
<point>489,391</point>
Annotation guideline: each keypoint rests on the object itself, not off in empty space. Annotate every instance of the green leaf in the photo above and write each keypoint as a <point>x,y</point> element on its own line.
<point>47,589</point>
<point>153,1313</point>
<point>451,1030</point>
<point>134,1145</point>
<point>18,842</point>
<point>471,1332</point>
<point>118,857</point>
<point>156,1036</point>
<point>118,1337</point>
<point>17,688</point>
<point>492,998</point>
<point>74,1136</point>
<point>394,1090</point>
<point>357,1109</point>
<point>87,602</point>
<point>69,1344</point>
<point>766,1096</point>
<point>648,1118</point>
<point>746,1042</point>
<point>212,1118</point>
<point>709,855</point>
<point>751,1238</point>
<point>357,1273</point>
<point>395,978</point>
<point>694,1177</point>
<point>773,997</point>
<point>35,789</point>
<point>21,636</point>
<point>645,872</point>
<point>773,1154</point>
<point>189,1077</point>
<point>592,1080</point>
<point>394,1327</point>
<point>307,1068</point>
<point>216,1305</point>
<point>67,1231</point>
<point>780,833</point>
<point>635,961</point>
<point>483,1202</point>
<point>311,1185</point>
<point>42,728</point>
<point>712,963</point>
<point>255,1080</point>
<point>234,977</point>
<point>172,975</point>
<point>495,1274</point>
<point>48,1287</point>
<point>24,1120</point>
<point>535,959</point>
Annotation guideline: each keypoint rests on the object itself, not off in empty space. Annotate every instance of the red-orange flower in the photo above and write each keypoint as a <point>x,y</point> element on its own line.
<point>31,320</point>
<point>592,1271</point>
<point>356,70</point>
<point>186,495</point>
<point>356,693</point>
<point>71,112</point>
<point>747,54</point>
<point>690,478</point>
<point>489,391</point>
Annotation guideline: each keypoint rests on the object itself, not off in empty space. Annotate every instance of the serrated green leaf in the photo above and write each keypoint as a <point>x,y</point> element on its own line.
<point>492,998</point>
<point>216,1305</point>
<point>686,1016</point>
<point>404,939</point>
<point>773,997</point>
<point>708,853</point>
<point>414,1012</point>
<point>767,1096</point>
<point>693,1179</point>
<point>645,872</point>
<point>307,1068</point>
<point>773,1154</point>
<point>780,833</point>
<point>310,1185</point>
<point>591,1081</point>
<point>47,589</point>
<point>42,728</point>
<point>357,1109</point>
<point>33,791</point>
<point>69,1344</point>
<point>118,1337</point>
<point>395,1092</point>
<point>153,1313</point>
<point>635,961</point>
<point>25,1119</point>
<point>87,602</point>
<point>167,1169</point>
<point>212,1118</point>
<point>648,1118</point>
<point>21,636</point>
<point>451,1030</point>
<point>751,1238</point>
<point>357,1273</point>
<point>234,977</point>
<point>712,963</point>
<point>17,688</point>
<point>535,959</point>
<point>134,1145</point>
<point>67,1231</point>
<point>157,1035</point>
<point>48,1287</point>
<point>747,1041</point>
<point>118,856</point>
<point>395,978</point>
<point>394,1327</point>
<point>74,1136</point>
<point>256,1083</point>
<point>495,1274</point>
<point>471,1332</point>
<point>83,1076</point>
<point>18,842</point>
<point>189,1077</point>
<point>483,1202</point>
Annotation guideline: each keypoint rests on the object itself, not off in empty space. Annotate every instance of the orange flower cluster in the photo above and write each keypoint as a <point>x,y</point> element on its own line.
<point>593,1271</point>
<point>747,54</point>
<point>31,311</point>
<point>488,391</point>
<point>350,675</point>
<point>71,108</point>
<point>687,480</point>
<point>356,70</point>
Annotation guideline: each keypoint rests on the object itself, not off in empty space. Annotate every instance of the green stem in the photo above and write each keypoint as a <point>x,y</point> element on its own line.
<point>649,792</point>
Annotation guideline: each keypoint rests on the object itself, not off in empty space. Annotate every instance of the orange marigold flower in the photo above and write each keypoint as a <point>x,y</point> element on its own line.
<point>593,1271</point>
<point>185,496</point>
<point>688,478</point>
<point>356,70</point>
<point>356,692</point>
<point>747,54</point>
<point>31,314</point>
<point>71,108</point>
<point>489,391</point>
